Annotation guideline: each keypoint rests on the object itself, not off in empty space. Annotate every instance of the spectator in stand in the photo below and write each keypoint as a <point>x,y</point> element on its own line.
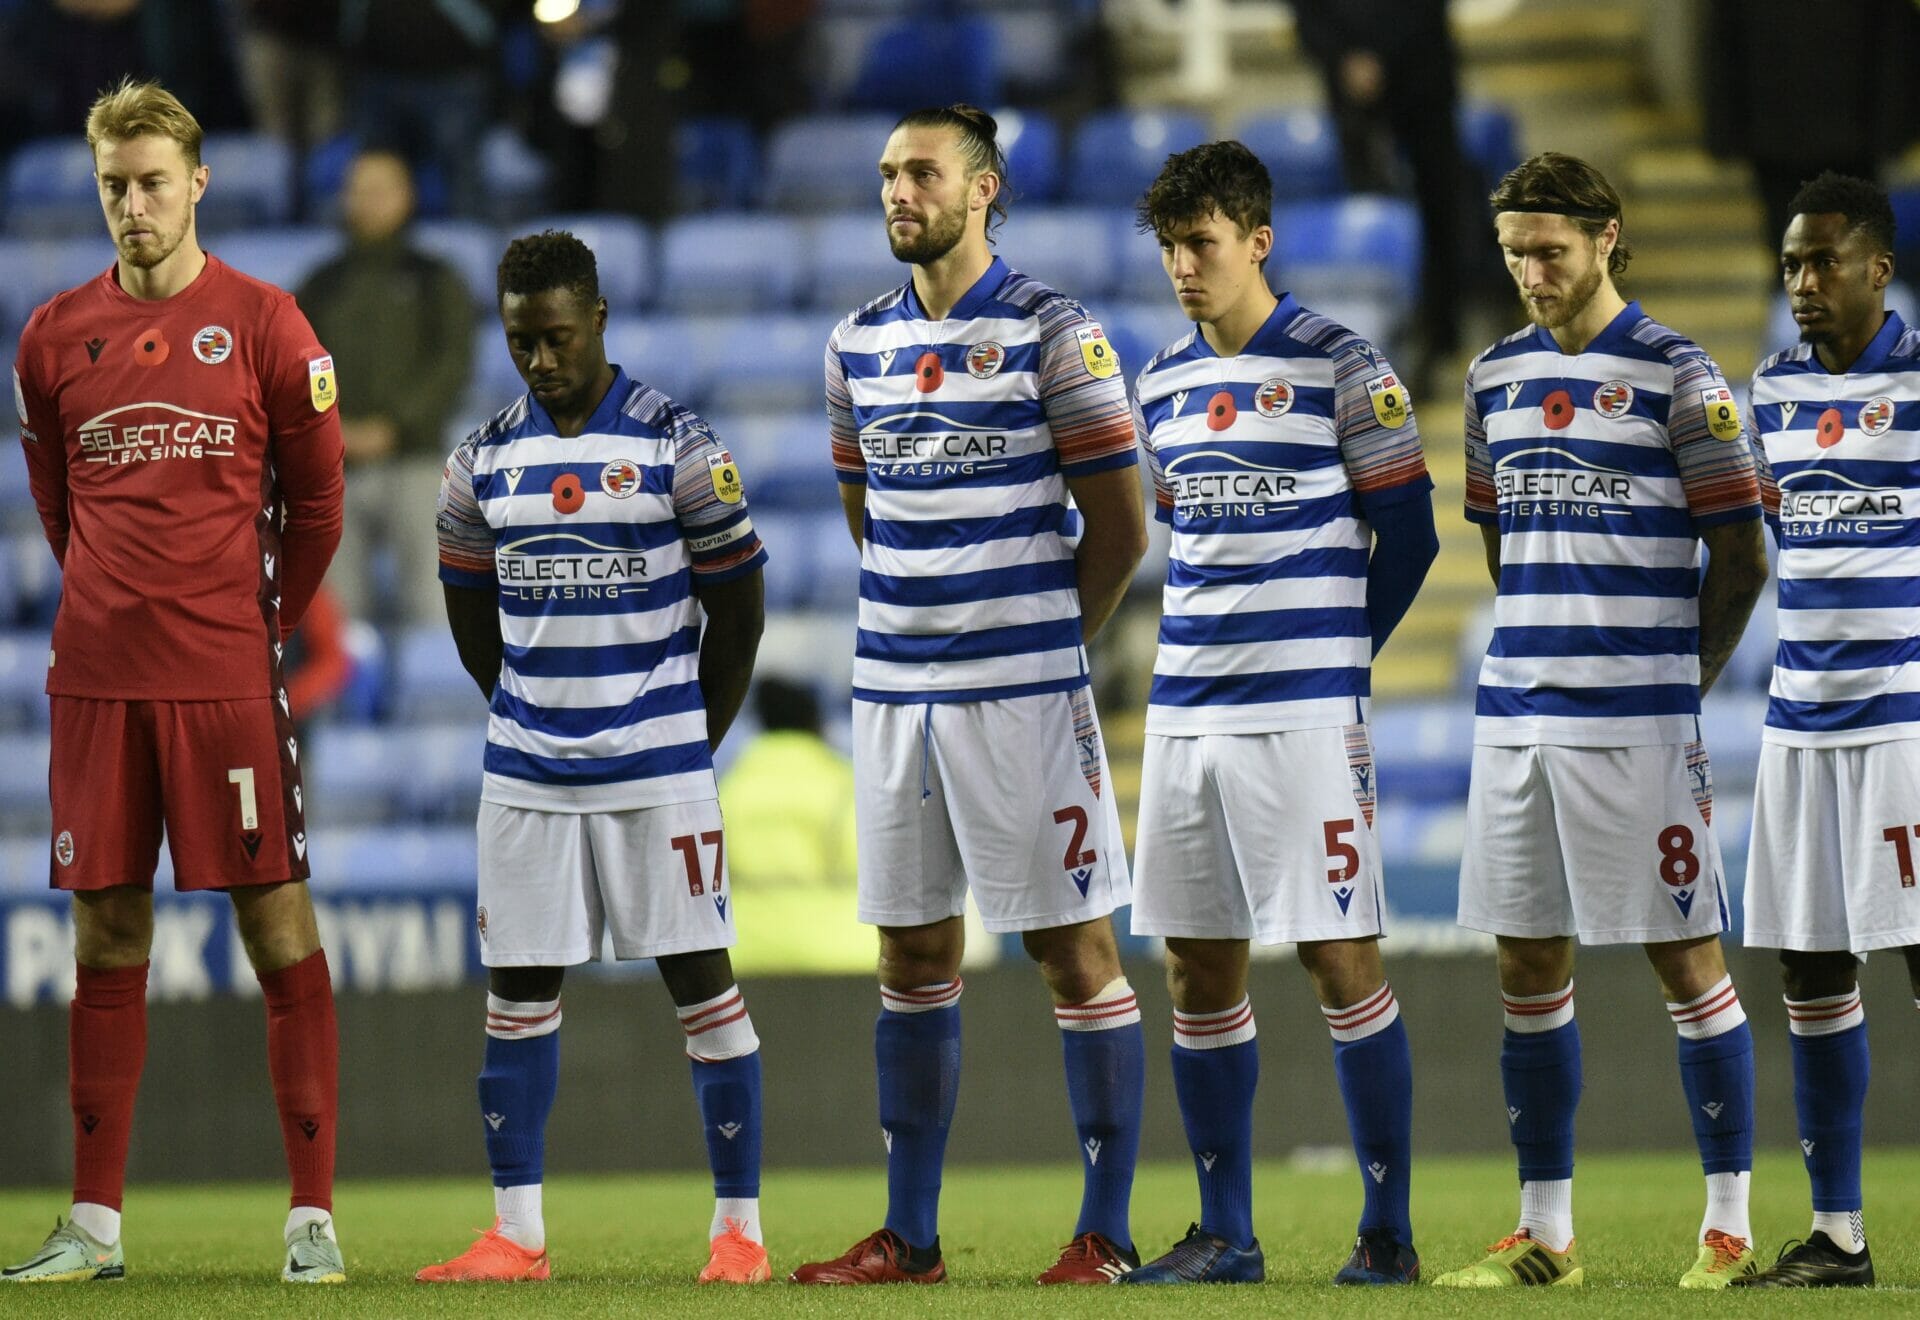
<point>421,80</point>
<point>1392,79</point>
<point>400,326</point>
<point>290,62</point>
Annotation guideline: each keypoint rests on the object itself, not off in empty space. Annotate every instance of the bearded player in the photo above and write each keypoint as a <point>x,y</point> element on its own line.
<point>1603,450</point>
<point>184,452</point>
<point>965,405</point>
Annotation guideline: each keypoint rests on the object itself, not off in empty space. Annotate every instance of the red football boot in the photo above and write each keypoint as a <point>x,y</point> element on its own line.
<point>1090,1258</point>
<point>882,1257</point>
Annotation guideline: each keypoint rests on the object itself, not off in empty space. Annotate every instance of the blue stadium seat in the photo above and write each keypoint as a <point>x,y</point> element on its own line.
<point>496,382</point>
<point>1117,153</point>
<point>803,484</point>
<point>396,857</point>
<point>622,253</point>
<point>33,574</point>
<point>764,364</point>
<point>825,162</point>
<point>41,267</point>
<point>250,182</point>
<point>513,176</point>
<point>445,760</point>
<point>1490,138</point>
<point>717,163</point>
<point>428,680</point>
<point>772,439</point>
<point>1140,330</point>
<point>789,541</point>
<point>720,262</point>
<point>851,261</point>
<point>282,257</point>
<point>1349,251</point>
<point>1031,140</point>
<point>664,352</point>
<point>1299,148</point>
<point>357,775</point>
<point>50,189</point>
<point>1906,217</point>
<point>1135,258</point>
<point>23,681</point>
<point>930,57</point>
<point>469,247</point>
<point>23,781</point>
<point>1069,248</point>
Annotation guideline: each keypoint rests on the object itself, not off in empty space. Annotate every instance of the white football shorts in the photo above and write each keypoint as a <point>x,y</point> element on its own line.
<point>1264,836</point>
<point>1009,799</point>
<point>553,882</point>
<point>1613,844</point>
<point>1836,845</point>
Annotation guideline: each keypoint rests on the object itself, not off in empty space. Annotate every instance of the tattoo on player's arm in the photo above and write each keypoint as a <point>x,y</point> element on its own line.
<point>1736,574</point>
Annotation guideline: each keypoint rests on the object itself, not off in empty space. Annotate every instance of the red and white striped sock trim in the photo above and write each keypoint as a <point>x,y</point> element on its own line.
<point>922,998</point>
<point>1214,1031</point>
<point>1113,1007</point>
<point>719,1028</point>
<point>1375,1013</point>
<point>1713,1014</point>
<point>507,1020</point>
<point>1825,1017</point>
<point>1530,1013</point>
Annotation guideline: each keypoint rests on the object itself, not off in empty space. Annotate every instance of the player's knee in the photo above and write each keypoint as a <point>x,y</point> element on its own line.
<point>1819,975</point>
<point>112,927</point>
<point>1343,972</point>
<point>1206,976</point>
<point>526,985</point>
<point>913,956</point>
<point>277,925</point>
<point>1077,961</point>
<point>1535,967</point>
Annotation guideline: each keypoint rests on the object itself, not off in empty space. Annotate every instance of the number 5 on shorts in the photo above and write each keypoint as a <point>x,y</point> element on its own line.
<point>1338,849</point>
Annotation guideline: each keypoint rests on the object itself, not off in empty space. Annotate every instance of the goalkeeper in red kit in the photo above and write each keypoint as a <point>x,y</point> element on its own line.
<point>184,451</point>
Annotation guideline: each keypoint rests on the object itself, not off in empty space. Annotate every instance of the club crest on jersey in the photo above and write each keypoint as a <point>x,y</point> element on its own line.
<point>1613,399</point>
<point>726,477</point>
<point>1723,414</point>
<point>1274,398</point>
<point>1389,399</point>
<point>984,360</point>
<point>213,344</point>
<point>1095,352</point>
<point>63,848</point>
<point>1876,415</point>
<point>320,384</point>
<point>620,479</point>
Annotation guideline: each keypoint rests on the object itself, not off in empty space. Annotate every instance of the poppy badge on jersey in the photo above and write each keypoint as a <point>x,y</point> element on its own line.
<point>1723,414</point>
<point>1096,352</point>
<point>1389,399</point>
<point>726,477</point>
<point>320,384</point>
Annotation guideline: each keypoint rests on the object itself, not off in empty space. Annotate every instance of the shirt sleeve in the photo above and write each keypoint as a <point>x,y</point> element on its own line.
<point>466,539</point>
<point>1763,469</point>
<point>1084,393</point>
<point>1483,505</point>
<point>45,446</point>
<point>1711,444</point>
<point>711,504</point>
<point>1373,418</point>
<point>303,431</point>
<point>847,461</point>
<point>1162,490</point>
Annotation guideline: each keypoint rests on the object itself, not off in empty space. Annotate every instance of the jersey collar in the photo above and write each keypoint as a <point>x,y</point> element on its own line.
<point>1874,356</point>
<point>602,421</point>
<point>971,301</point>
<point>1270,329</point>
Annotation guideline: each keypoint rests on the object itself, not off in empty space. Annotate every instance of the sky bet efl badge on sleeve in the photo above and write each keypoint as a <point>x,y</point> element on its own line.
<point>726,477</point>
<point>1723,414</point>
<point>320,386</point>
<point>1096,352</point>
<point>1389,399</point>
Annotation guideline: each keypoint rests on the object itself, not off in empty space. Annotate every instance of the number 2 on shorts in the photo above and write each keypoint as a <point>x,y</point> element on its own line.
<point>1073,859</point>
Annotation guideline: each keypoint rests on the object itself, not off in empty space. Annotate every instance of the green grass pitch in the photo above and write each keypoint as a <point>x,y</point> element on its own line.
<point>631,1244</point>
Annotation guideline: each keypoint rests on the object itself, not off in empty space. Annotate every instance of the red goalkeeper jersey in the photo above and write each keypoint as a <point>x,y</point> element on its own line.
<point>185,457</point>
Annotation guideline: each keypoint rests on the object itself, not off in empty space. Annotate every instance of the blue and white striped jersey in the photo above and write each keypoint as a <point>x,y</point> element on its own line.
<point>1264,464</point>
<point>594,543</point>
<point>1600,468</point>
<point>1840,475</point>
<point>964,432</point>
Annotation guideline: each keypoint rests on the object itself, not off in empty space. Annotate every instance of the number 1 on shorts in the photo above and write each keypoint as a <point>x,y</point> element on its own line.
<point>249,807</point>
